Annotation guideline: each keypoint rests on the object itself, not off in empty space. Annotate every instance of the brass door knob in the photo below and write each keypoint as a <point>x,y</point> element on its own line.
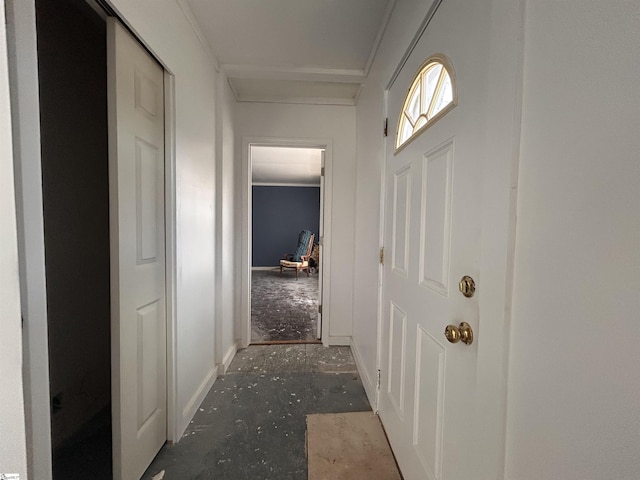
<point>463,332</point>
<point>452,333</point>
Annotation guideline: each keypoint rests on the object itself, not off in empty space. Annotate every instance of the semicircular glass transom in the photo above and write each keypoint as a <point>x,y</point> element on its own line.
<point>431,95</point>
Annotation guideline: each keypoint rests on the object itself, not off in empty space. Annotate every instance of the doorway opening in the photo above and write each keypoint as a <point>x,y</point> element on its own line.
<point>72,69</point>
<point>82,198</point>
<point>286,224</point>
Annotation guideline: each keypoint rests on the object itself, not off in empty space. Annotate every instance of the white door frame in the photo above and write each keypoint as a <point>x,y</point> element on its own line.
<point>382,218</point>
<point>25,117</point>
<point>23,71</point>
<point>244,327</point>
<point>320,266</point>
<point>171,255</point>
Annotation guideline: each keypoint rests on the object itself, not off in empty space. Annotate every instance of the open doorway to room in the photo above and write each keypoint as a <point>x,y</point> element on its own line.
<point>102,130</point>
<point>287,222</point>
<point>72,70</point>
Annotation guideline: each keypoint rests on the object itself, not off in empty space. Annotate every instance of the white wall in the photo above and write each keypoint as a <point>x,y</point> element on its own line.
<point>574,388</point>
<point>319,122</point>
<point>13,449</point>
<point>163,27</point>
<point>403,24</point>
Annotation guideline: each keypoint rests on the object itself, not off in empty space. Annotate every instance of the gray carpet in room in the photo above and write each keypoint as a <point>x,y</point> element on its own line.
<point>283,308</point>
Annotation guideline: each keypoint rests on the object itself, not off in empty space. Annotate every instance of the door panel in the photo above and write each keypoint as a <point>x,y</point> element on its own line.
<point>396,368</point>
<point>147,171</point>
<point>401,217</point>
<point>149,334</point>
<point>435,228</point>
<point>136,177</point>
<point>427,428</point>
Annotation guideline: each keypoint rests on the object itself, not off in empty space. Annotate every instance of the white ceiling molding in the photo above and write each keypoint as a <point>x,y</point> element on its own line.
<point>292,73</point>
<point>188,14</point>
<point>340,102</point>
<point>357,97</point>
<point>251,84</point>
<point>379,35</point>
<point>292,41</point>
<point>416,38</point>
<point>294,91</point>
<point>261,98</point>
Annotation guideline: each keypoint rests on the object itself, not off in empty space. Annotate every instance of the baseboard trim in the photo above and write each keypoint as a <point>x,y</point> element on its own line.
<point>367,383</point>
<point>266,268</point>
<point>228,356</point>
<point>288,342</point>
<point>194,402</point>
<point>337,341</point>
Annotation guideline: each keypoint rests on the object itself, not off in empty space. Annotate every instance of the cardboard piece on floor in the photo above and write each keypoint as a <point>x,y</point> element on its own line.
<point>348,446</point>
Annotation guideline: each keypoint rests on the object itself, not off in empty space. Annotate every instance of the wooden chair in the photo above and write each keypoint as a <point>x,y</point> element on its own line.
<point>288,260</point>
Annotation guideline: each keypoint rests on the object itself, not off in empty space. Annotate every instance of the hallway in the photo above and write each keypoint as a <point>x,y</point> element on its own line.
<point>466,268</point>
<point>252,424</point>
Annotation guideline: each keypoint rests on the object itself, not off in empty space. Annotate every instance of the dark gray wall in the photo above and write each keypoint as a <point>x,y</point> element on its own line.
<point>72,73</point>
<point>279,214</point>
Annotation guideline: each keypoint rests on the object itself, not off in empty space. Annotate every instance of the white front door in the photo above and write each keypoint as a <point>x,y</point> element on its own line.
<point>432,239</point>
<point>136,182</point>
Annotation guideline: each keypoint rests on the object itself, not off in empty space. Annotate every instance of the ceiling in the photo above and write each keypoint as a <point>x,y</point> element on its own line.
<point>293,51</point>
<point>284,165</point>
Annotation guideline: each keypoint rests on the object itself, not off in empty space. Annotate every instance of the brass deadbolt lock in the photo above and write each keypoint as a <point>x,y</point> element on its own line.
<point>461,333</point>
<point>467,286</point>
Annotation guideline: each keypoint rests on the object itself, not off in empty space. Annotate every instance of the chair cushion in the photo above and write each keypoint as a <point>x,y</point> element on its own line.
<point>303,245</point>
<point>289,264</point>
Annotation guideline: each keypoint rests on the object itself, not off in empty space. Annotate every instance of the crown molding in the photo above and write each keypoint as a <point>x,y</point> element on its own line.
<point>379,36</point>
<point>335,75</point>
<point>342,102</point>
<point>195,27</point>
<point>416,38</point>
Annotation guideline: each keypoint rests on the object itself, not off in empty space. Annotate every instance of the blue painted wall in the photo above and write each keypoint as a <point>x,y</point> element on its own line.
<point>279,214</point>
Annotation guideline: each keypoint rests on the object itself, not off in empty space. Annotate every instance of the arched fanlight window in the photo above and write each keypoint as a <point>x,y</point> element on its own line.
<point>432,94</point>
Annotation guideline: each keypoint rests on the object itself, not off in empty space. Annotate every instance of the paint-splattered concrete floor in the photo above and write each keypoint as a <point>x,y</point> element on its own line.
<point>283,308</point>
<point>251,424</point>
